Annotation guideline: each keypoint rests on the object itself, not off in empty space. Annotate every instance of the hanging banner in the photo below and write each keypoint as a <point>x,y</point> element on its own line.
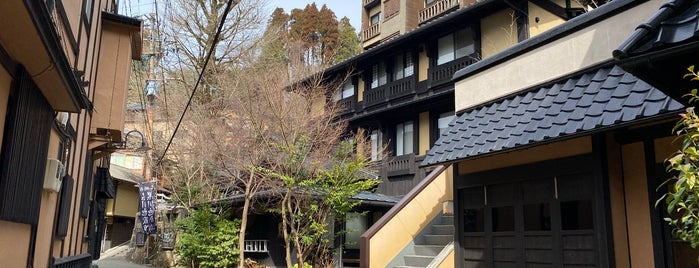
<point>146,194</point>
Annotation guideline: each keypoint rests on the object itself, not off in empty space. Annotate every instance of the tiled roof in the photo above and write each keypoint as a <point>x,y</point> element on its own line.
<point>602,97</point>
<point>675,23</point>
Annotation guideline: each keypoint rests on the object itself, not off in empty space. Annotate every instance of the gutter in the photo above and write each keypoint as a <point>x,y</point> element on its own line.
<point>49,37</point>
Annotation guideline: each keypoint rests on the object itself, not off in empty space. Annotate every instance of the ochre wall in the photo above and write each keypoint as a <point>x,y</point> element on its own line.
<point>448,262</point>
<point>422,64</point>
<point>14,245</point>
<point>637,206</point>
<point>498,32</point>
<point>44,230</point>
<point>360,89</point>
<point>547,20</point>
<point>582,49</point>
<point>424,133</point>
<point>577,146</point>
<point>126,202</point>
<point>407,224</point>
<point>617,204</point>
<point>112,80</point>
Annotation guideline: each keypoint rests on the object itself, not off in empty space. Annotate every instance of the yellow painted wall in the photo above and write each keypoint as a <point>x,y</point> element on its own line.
<point>617,204</point>
<point>44,230</point>
<point>424,133</point>
<point>665,148</point>
<point>498,32</point>
<point>360,89</point>
<point>637,206</point>
<point>582,49</point>
<point>5,86</point>
<point>422,65</point>
<point>112,80</point>
<point>408,223</point>
<point>547,20</point>
<point>448,262</point>
<point>126,202</point>
<point>577,146</point>
<point>14,244</point>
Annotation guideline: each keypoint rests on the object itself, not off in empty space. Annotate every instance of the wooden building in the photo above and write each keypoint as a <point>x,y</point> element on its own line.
<point>64,68</point>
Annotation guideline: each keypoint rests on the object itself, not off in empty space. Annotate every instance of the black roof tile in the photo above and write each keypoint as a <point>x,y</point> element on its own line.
<point>601,97</point>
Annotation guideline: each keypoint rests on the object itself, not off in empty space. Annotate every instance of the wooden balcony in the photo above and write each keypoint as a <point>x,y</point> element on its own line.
<point>371,32</point>
<point>370,3</point>
<point>443,73</point>
<point>347,105</point>
<point>401,165</point>
<point>436,9</point>
<point>390,91</point>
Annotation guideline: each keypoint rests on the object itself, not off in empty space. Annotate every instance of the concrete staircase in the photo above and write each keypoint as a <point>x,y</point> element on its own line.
<point>430,243</point>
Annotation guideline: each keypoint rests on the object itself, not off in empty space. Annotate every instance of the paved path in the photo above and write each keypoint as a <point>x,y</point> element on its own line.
<point>116,258</point>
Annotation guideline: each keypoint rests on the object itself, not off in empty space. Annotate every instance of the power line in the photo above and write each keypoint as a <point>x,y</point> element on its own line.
<point>201,74</point>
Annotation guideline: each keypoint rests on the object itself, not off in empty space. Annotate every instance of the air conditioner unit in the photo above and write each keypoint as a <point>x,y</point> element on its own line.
<point>53,177</point>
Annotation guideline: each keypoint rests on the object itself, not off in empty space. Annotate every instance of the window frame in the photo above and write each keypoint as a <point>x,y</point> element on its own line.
<point>467,32</point>
<point>376,16</point>
<point>400,142</point>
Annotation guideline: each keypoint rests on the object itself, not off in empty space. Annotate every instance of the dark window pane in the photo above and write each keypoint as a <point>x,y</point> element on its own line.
<point>503,219</point>
<point>576,215</point>
<point>473,220</point>
<point>537,217</point>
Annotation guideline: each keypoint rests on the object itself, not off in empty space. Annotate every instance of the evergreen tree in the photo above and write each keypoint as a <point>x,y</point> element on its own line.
<point>348,41</point>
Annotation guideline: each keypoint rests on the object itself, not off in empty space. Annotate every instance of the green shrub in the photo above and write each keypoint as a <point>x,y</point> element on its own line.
<point>208,240</point>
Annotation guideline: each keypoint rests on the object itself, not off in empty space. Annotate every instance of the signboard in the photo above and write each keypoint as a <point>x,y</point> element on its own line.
<point>140,239</point>
<point>146,194</point>
<point>167,238</point>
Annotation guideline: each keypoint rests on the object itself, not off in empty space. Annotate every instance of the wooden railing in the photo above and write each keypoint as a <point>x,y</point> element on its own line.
<point>77,261</point>
<point>371,32</point>
<point>391,90</point>
<point>442,73</point>
<point>436,9</point>
<point>401,165</point>
<point>256,246</point>
<point>346,105</point>
<point>401,87</point>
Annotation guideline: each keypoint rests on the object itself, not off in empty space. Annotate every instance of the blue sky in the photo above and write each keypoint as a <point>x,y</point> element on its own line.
<point>342,8</point>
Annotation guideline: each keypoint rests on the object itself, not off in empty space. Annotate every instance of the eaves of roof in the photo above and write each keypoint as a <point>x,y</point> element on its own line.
<point>422,30</point>
<point>598,99</point>
<point>569,27</point>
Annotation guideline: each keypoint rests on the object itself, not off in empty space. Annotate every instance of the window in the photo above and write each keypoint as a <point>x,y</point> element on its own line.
<point>376,18</point>
<point>378,75</point>
<point>356,224</point>
<point>375,138</point>
<point>454,46</point>
<point>429,2</point>
<point>404,138</point>
<point>443,122</point>
<point>403,66</point>
<point>346,92</point>
<point>88,12</point>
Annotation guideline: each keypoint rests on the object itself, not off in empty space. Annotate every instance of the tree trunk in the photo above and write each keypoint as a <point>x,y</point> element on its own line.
<point>287,240</point>
<point>244,219</point>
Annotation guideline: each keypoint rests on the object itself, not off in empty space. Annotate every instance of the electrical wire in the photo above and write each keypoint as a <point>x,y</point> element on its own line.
<point>201,74</point>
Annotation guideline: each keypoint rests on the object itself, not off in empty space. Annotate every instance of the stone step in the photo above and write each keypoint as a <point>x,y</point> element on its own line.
<point>438,239</point>
<point>418,260</point>
<point>447,220</point>
<point>428,250</point>
<point>443,229</point>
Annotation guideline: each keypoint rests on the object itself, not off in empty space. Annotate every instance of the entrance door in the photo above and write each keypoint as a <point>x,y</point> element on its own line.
<point>543,222</point>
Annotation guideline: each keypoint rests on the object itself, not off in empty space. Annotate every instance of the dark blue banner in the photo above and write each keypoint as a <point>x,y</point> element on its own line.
<point>146,194</point>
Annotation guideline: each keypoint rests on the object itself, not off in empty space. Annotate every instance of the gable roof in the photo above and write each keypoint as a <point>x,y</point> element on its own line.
<point>596,99</point>
<point>660,49</point>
